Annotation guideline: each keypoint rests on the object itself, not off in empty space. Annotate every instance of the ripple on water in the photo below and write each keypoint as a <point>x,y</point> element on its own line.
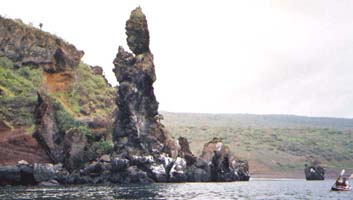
<point>259,189</point>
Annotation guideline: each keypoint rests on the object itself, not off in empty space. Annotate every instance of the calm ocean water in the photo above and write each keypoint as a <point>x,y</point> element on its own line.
<point>255,189</point>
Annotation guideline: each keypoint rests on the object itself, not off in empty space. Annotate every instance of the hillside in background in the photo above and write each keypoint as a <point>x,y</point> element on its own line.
<point>275,145</point>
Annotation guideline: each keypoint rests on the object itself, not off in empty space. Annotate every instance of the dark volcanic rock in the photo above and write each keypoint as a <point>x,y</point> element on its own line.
<point>138,37</point>
<point>144,150</point>
<point>68,147</point>
<point>26,45</point>
<point>10,175</point>
<point>137,127</point>
<point>44,172</point>
<point>75,143</point>
<point>223,166</point>
<point>47,133</point>
<point>97,70</point>
<point>314,172</point>
<point>27,176</point>
<point>186,152</point>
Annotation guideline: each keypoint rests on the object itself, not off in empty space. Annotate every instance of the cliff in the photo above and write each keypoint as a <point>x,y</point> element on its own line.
<point>46,90</point>
<point>26,45</point>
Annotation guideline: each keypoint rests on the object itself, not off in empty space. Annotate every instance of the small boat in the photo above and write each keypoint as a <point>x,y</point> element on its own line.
<point>340,188</point>
<point>341,183</point>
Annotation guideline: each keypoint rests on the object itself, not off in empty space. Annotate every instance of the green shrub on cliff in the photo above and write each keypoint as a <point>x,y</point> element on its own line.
<point>105,146</point>
<point>18,93</point>
<point>66,121</point>
<point>89,94</point>
<point>5,62</point>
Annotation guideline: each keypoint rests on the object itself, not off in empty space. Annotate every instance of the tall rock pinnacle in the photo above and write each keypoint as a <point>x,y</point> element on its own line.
<point>137,127</point>
<point>138,37</point>
<point>144,151</point>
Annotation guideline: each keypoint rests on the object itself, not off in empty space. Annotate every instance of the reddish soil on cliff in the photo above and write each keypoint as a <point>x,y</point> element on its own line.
<point>17,145</point>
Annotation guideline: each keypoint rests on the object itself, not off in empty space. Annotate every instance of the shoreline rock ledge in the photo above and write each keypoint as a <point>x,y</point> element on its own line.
<point>144,151</point>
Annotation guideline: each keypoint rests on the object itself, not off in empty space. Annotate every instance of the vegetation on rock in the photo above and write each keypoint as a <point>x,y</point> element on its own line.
<point>32,60</point>
<point>273,145</point>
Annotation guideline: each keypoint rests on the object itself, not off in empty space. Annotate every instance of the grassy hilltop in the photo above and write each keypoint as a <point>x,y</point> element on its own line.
<point>275,145</point>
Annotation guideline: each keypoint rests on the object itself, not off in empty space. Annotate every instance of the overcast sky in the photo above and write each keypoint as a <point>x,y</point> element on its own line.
<point>261,57</point>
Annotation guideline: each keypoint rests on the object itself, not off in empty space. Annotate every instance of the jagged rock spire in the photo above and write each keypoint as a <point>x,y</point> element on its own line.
<point>138,37</point>
<point>137,127</point>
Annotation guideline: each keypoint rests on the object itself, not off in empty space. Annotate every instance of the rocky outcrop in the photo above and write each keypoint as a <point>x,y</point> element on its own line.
<point>25,173</point>
<point>26,45</point>
<point>186,152</point>
<point>224,167</point>
<point>314,172</point>
<point>47,133</point>
<point>97,70</point>
<point>75,144</point>
<point>10,175</point>
<point>137,128</point>
<point>69,147</point>
<point>144,151</point>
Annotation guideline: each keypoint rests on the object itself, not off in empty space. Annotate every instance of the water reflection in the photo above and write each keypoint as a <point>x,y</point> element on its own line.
<point>289,189</point>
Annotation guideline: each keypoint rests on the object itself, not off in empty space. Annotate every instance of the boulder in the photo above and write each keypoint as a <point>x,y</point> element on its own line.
<point>92,169</point>
<point>138,176</point>
<point>159,173</point>
<point>178,171</point>
<point>314,172</point>
<point>242,170</point>
<point>10,175</point>
<point>198,175</point>
<point>44,172</point>
<point>75,143</point>
<point>26,171</point>
<point>119,164</point>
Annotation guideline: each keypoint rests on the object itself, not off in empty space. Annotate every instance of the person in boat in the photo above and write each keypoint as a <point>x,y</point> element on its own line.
<point>342,182</point>
<point>345,182</point>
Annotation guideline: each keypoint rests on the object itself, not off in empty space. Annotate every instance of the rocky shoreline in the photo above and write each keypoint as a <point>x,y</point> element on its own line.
<point>131,169</point>
<point>144,152</point>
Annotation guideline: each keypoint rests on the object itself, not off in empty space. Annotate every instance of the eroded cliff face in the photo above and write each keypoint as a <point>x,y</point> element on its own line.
<point>137,128</point>
<point>47,92</point>
<point>26,45</point>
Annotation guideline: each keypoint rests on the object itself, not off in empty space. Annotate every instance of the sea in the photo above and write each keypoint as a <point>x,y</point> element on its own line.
<point>280,189</point>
